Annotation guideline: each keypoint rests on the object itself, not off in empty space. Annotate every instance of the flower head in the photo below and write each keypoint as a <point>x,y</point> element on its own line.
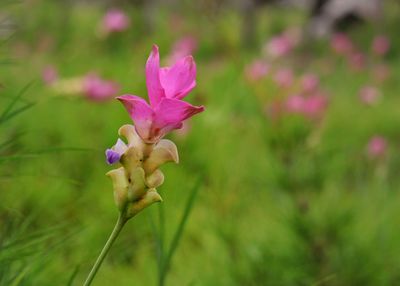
<point>380,45</point>
<point>98,89</point>
<point>166,87</point>
<point>257,70</point>
<point>377,147</point>
<point>182,48</point>
<point>279,46</point>
<point>312,106</point>
<point>342,44</point>
<point>49,75</point>
<point>115,20</point>
<point>369,95</point>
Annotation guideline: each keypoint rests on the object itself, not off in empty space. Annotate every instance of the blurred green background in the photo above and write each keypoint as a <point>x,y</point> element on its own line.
<point>283,201</point>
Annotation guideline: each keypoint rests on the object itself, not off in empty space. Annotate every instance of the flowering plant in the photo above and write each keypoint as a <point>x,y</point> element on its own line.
<point>135,182</point>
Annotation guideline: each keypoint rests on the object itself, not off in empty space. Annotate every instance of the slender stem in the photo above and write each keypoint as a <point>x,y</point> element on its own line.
<point>117,229</point>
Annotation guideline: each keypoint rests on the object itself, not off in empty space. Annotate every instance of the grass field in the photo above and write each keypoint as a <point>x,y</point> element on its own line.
<point>284,199</point>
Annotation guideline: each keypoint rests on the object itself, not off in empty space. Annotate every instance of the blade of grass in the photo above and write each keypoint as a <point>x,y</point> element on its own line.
<point>12,114</point>
<point>178,234</point>
<point>8,109</point>
<point>73,276</point>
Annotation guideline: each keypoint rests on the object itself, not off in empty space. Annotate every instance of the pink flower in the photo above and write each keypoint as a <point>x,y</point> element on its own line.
<point>341,44</point>
<point>315,106</point>
<point>98,89</point>
<point>295,103</point>
<point>284,77</point>
<point>369,95</point>
<point>279,46</point>
<point>377,147</point>
<point>115,20</point>
<point>166,88</point>
<point>257,70</point>
<point>309,83</point>
<point>380,45</point>
<point>184,47</point>
<point>49,75</point>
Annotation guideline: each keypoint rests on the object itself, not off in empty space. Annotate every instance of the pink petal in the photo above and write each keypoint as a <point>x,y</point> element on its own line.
<point>140,112</point>
<point>170,114</point>
<point>154,87</point>
<point>179,79</point>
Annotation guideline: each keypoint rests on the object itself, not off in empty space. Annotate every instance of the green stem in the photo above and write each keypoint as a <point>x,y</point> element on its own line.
<point>117,229</point>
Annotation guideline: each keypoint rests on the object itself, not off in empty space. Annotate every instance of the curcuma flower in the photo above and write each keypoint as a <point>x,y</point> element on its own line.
<point>136,181</point>
<point>166,88</point>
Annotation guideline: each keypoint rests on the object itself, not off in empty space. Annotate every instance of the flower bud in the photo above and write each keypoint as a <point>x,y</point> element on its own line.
<point>155,180</point>
<point>149,198</point>
<point>121,184</point>
<point>163,152</point>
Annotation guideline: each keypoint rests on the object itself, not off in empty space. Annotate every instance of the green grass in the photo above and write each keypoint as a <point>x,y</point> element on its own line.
<point>271,210</point>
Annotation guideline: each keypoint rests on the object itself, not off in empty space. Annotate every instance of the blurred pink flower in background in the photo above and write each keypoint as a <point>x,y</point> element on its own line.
<point>49,75</point>
<point>380,45</point>
<point>115,20</point>
<point>279,46</point>
<point>315,106</point>
<point>309,83</point>
<point>98,89</point>
<point>183,47</point>
<point>284,77</point>
<point>341,44</point>
<point>357,61</point>
<point>166,88</point>
<point>377,147</point>
<point>257,70</point>
<point>312,107</point>
<point>295,103</point>
<point>369,95</point>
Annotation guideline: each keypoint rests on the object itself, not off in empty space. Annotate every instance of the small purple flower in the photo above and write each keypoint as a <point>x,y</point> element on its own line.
<point>115,153</point>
